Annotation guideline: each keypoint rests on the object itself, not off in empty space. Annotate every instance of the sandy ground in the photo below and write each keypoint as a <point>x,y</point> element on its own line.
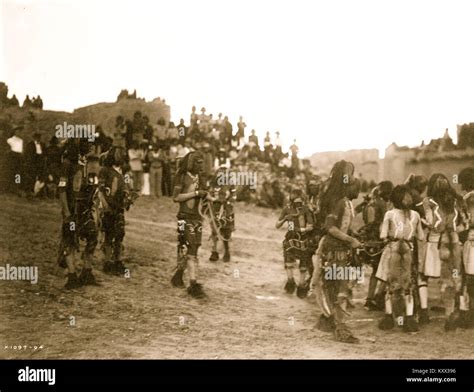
<point>247,314</point>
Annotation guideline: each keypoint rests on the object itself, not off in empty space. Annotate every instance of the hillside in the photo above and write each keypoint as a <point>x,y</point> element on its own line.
<point>104,114</point>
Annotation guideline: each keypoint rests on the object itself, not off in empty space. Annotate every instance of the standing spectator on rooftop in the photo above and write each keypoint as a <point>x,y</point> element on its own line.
<point>277,143</point>
<point>240,135</point>
<point>194,117</point>
<point>27,102</point>
<point>253,138</point>
<point>228,132</point>
<point>254,149</point>
<point>182,131</point>
<point>14,101</point>
<point>267,140</point>
<point>39,103</point>
<point>203,118</point>
<point>203,122</point>
<point>219,122</point>
<point>267,148</point>
<point>211,122</point>
<point>294,157</point>
<point>294,149</point>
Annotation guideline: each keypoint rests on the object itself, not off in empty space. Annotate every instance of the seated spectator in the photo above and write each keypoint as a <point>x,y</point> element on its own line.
<point>222,160</point>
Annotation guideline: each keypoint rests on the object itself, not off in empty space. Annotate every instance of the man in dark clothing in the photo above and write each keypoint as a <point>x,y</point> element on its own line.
<point>76,197</point>
<point>188,192</point>
<point>115,199</point>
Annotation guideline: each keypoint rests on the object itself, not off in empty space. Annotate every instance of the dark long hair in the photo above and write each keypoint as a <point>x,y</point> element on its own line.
<point>397,196</point>
<point>445,198</point>
<point>385,189</point>
<point>466,178</point>
<point>184,165</point>
<point>335,188</point>
<point>417,183</point>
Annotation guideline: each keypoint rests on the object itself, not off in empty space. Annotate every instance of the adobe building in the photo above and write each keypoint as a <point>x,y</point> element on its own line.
<point>439,156</point>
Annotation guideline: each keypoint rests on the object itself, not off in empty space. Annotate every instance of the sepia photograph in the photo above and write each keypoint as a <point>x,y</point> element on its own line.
<point>237,180</point>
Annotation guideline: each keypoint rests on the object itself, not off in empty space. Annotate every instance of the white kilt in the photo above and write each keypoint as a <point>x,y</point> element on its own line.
<point>428,257</point>
<point>468,253</point>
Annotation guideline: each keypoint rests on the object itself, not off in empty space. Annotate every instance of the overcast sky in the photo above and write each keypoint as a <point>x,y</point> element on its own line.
<point>335,74</point>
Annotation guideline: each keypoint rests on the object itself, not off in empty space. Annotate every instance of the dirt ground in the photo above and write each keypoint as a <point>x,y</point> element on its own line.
<point>247,314</point>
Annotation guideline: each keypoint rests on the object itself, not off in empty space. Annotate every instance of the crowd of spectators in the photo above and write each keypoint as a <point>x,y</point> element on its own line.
<point>153,153</point>
<point>154,149</point>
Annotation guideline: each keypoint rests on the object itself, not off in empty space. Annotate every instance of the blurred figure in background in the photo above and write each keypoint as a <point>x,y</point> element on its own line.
<point>136,156</point>
<point>155,158</point>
